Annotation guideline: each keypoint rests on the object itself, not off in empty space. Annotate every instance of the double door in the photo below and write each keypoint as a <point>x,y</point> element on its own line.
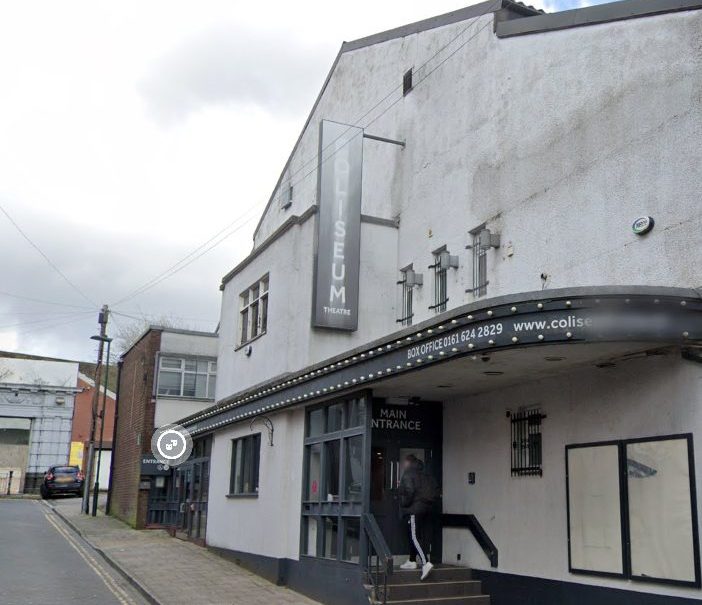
<point>191,491</point>
<point>389,449</point>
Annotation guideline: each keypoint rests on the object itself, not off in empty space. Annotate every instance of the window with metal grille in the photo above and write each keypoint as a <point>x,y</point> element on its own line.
<point>480,281</point>
<point>526,442</point>
<point>440,266</point>
<point>406,312</point>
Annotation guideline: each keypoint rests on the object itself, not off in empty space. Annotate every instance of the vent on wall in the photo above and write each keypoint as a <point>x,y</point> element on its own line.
<point>286,194</point>
<point>407,81</point>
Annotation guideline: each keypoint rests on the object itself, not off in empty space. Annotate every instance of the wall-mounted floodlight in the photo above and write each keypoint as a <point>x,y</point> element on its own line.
<point>447,261</point>
<point>487,239</point>
<point>413,279</point>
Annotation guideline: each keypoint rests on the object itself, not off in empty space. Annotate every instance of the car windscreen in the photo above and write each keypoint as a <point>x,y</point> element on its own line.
<point>66,470</point>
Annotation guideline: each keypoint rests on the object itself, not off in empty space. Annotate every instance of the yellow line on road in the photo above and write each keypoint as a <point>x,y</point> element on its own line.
<point>116,590</point>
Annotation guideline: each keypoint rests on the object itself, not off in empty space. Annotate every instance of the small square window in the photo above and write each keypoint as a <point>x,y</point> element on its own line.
<point>407,82</point>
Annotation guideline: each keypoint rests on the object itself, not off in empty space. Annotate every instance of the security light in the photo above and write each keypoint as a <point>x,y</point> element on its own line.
<point>487,239</point>
<point>447,261</point>
<point>413,279</point>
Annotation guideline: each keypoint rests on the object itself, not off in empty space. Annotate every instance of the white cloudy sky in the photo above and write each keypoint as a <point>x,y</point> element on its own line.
<point>132,132</point>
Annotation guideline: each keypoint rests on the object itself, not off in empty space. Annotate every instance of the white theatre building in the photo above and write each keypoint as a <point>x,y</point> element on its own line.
<point>485,249</point>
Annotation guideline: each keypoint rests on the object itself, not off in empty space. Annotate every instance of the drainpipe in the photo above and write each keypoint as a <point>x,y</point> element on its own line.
<point>114,439</point>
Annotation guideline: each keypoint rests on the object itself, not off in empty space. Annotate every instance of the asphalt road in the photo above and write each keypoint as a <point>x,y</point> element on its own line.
<point>42,562</point>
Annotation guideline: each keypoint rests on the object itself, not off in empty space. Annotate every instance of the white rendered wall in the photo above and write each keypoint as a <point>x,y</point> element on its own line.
<point>526,516</point>
<point>268,525</point>
<point>557,141</point>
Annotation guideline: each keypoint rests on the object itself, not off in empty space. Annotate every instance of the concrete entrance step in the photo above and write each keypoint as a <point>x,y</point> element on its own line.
<point>426,589</point>
<point>440,573</point>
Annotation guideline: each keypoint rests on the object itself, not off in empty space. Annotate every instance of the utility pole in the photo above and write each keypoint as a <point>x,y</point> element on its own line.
<point>102,320</point>
<point>96,490</point>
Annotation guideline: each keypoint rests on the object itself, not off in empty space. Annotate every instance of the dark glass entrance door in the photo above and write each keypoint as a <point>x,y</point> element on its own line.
<point>396,431</point>
<point>191,491</point>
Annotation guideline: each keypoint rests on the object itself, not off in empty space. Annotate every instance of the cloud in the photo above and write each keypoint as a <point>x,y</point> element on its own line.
<point>107,266</point>
<point>230,66</point>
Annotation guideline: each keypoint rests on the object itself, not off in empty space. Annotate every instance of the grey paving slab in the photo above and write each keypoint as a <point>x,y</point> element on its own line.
<point>173,571</point>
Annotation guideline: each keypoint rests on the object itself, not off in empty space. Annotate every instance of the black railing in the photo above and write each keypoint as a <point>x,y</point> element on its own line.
<point>378,559</point>
<point>471,522</point>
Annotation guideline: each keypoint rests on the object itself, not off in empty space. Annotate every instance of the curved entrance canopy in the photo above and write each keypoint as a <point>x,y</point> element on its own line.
<point>511,337</point>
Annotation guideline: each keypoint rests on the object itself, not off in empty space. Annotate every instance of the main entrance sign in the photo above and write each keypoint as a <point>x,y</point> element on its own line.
<point>337,260</point>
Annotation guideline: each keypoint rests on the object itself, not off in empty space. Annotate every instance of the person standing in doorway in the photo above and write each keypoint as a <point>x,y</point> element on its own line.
<point>418,493</point>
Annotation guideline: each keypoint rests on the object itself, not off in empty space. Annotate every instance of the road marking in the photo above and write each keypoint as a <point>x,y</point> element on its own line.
<point>116,590</point>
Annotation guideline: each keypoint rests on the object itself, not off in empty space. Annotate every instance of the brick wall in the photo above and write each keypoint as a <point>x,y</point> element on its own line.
<point>82,417</point>
<point>135,425</point>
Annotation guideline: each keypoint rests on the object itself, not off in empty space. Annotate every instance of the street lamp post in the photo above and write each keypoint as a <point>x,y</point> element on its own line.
<point>103,339</point>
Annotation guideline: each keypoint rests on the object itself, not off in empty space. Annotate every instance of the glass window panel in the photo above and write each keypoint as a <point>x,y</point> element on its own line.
<point>316,422</point>
<point>190,365</point>
<point>213,367</point>
<point>354,469</point>
<point>202,365</point>
<point>211,385</point>
<point>335,417</point>
<point>169,383</point>
<point>189,385</point>
<point>354,414</point>
<point>594,509</point>
<point>171,363</point>
<point>244,325</point>
<point>200,385</point>
<point>310,529</point>
<point>352,534</point>
<point>247,471</point>
<point>264,285</point>
<point>253,309</point>
<point>314,469</point>
<point>331,537</point>
<point>264,314</point>
<point>331,470</point>
<point>660,510</point>
<point>236,482</point>
<point>254,292</point>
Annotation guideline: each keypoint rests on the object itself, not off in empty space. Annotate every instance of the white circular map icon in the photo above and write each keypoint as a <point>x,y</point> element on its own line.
<point>171,444</point>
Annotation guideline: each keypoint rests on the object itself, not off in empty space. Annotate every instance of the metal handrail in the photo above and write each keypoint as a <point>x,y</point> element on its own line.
<point>378,563</point>
<point>471,522</point>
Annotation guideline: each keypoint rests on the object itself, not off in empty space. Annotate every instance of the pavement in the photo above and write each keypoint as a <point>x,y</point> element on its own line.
<point>42,562</point>
<point>169,571</point>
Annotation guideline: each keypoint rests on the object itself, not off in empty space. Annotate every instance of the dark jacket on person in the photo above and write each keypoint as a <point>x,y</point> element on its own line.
<point>417,490</point>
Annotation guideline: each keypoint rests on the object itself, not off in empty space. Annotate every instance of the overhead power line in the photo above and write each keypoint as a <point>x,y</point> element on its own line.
<point>45,319</point>
<point>44,256</point>
<point>205,247</point>
<point>398,87</point>
<point>42,301</point>
<point>192,256</point>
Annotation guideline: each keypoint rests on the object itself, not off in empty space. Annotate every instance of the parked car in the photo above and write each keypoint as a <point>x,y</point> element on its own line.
<point>62,479</point>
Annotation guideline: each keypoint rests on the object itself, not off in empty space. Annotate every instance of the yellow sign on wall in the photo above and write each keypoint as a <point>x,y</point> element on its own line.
<point>76,456</point>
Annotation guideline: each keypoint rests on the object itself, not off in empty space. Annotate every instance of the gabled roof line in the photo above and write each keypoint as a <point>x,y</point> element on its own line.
<point>462,14</point>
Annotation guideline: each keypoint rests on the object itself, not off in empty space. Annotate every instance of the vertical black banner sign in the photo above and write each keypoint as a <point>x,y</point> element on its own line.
<point>337,260</point>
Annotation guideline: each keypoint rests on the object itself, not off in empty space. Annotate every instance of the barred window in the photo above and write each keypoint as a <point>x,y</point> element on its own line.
<point>187,377</point>
<point>526,443</point>
<point>406,287</point>
<point>442,262</point>
<point>253,319</point>
<point>480,281</point>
